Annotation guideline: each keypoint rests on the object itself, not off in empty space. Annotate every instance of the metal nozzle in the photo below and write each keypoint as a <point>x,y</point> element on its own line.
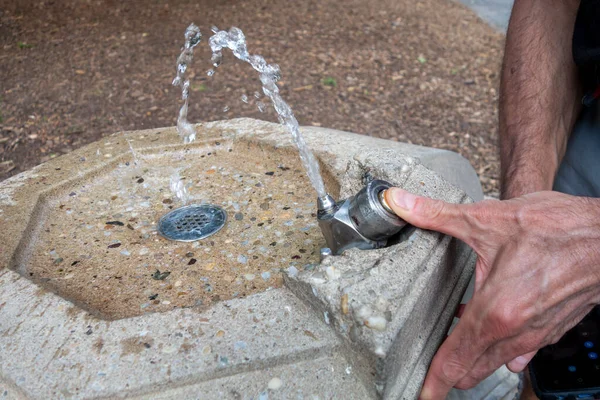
<point>326,205</point>
<point>364,221</point>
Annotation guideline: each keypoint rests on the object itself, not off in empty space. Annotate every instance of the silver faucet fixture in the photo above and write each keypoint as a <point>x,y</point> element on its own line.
<point>364,221</point>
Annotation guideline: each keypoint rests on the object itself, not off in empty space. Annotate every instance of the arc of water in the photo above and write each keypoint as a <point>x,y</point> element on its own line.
<point>269,74</point>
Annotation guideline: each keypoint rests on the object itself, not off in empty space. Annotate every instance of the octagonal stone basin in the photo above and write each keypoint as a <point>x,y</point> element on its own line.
<point>87,311</point>
<point>96,242</point>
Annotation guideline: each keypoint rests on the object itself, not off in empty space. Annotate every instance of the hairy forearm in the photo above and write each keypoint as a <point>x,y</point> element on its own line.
<point>539,94</point>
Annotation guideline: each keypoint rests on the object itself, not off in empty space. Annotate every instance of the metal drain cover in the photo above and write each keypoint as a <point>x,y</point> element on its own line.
<point>193,222</point>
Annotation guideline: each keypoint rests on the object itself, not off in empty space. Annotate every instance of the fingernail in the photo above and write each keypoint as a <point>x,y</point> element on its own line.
<point>402,198</point>
<point>521,362</point>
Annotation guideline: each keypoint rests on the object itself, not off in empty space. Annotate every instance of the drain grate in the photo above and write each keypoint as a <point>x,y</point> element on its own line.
<point>190,223</point>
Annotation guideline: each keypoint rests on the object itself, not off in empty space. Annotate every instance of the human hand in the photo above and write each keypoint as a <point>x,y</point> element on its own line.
<point>537,275</point>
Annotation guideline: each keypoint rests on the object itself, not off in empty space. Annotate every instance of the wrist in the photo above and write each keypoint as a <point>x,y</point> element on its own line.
<point>524,179</point>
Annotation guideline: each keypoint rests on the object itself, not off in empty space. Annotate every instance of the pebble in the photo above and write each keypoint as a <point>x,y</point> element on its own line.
<point>178,283</point>
<point>170,349</point>
<point>332,273</point>
<point>266,275</point>
<point>239,345</point>
<point>206,350</point>
<point>376,322</point>
<point>249,277</point>
<point>242,259</point>
<point>275,384</point>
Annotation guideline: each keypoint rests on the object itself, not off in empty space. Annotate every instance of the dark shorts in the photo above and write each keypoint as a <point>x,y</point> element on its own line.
<point>579,172</point>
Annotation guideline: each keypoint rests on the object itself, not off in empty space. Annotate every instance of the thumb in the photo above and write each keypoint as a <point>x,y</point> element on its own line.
<point>518,364</point>
<point>436,215</point>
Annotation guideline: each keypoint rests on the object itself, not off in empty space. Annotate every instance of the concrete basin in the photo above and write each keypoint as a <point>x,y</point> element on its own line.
<point>95,304</point>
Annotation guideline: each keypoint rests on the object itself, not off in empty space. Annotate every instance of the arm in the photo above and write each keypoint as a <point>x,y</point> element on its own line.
<point>539,94</point>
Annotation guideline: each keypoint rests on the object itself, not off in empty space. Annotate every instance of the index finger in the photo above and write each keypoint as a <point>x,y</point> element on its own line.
<point>455,358</point>
<point>437,215</point>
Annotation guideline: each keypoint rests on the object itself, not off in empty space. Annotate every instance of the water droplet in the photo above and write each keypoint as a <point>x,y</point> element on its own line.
<point>210,72</point>
<point>216,59</point>
<point>244,98</point>
<point>214,29</point>
<point>257,95</point>
<point>261,106</point>
<point>226,108</point>
<point>192,36</point>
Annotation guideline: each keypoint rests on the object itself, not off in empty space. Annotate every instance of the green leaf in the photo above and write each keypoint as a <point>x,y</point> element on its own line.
<point>201,87</point>
<point>329,81</point>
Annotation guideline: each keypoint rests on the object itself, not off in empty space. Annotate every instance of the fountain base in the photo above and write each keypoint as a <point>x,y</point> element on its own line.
<point>363,325</point>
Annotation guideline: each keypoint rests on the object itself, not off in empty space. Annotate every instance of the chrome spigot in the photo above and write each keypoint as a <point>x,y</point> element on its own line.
<point>364,221</point>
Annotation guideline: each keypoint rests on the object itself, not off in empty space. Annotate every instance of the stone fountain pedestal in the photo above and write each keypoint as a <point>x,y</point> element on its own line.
<point>83,313</point>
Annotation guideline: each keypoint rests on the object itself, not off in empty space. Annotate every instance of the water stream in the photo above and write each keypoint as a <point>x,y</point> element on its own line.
<point>179,188</point>
<point>192,38</point>
<point>269,74</point>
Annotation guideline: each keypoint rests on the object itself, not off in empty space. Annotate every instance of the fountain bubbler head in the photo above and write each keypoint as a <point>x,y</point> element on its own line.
<point>364,221</point>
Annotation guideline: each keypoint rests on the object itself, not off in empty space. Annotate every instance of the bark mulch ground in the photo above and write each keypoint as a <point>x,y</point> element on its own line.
<point>423,72</point>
